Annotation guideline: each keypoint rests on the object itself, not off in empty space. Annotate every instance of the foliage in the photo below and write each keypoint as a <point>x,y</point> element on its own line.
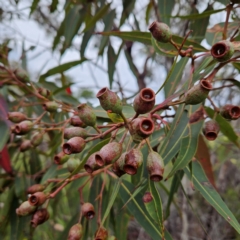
<point>104,160</point>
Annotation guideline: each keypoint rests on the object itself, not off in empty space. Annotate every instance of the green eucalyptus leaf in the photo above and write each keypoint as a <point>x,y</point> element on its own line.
<point>62,68</point>
<point>99,15</point>
<point>202,184</point>
<point>165,8</point>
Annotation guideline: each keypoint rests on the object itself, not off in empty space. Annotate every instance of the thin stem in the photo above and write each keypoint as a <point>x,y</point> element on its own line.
<point>124,118</point>
<point>124,136</point>
<point>100,199</point>
<point>228,9</point>
<point>149,145</point>
<point>216,109</point>
<point>230,85</point>
<point>39,118</point>
<point>52,195</point>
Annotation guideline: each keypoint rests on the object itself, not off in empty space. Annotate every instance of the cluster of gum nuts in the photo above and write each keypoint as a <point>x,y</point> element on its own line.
<point>139,127</point>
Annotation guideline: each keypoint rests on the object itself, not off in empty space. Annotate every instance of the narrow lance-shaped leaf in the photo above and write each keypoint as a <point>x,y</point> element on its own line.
<point>127,9</point>
<point>165,8</point>
<point>112,58</point>
<point>108,21</point>
<point>102,12</point>
<point>139,188</point>
<point>199,26</point>
<point>111,200</point>
<point>85,41</point>
<point>155,208</point>
<point>176,182</point>
<point>189,143</point>
<point>61,29</point>
<point>175,77</point>
<point>169,50</point>
<point>53,6</point>
<point>203,156</point>
<point>200,15</point>
<point>62,68</point>
<point>72,23</point>
<point>136,208</point>
<point>135,36</point>
<point>202,184</point>
<point>172,142</point>
<point>34,6</point>
<point>233,81</point>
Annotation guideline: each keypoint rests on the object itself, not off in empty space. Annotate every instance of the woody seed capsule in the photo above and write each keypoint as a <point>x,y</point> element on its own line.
<point>88,210</point>
<point>74,145</point>
<point>144,101</point>
<point>25,209</point>
<point>133,160</point>
<point>75,132</point>
<point>108,153</point>
<point>16,117</point>
<point>23,127</point>
<point>61,158</point>
<point>39,217</point>
<point>230,112</point>
<point>109,100</point>
<point>37,199</point>
<point>101,234</point>
<point>91,164</point>
<point>155,166</point>
<point>75,232</point>
<point>222,51</point>
<point>160,31</point>
<point>198,93</point>
<point>87,114</point>
<point>211,130</point>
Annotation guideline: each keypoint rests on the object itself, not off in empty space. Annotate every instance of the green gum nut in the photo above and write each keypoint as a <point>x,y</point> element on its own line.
<point>72,164</point>
<point>36,139</point>
<point>75,132</point>
<point>51,106</point>
<point>155,166</point>
<point>22,75</point>
<point>222,51</point>
<point>87,114</point>
<point>61,158</point>
<point>25,145</point>
<point>16,117</point>
<point>109,100</point>
<point>44,92</point>
<point>198,93</point>
<point>160,31</point>
<point>23,127</point>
